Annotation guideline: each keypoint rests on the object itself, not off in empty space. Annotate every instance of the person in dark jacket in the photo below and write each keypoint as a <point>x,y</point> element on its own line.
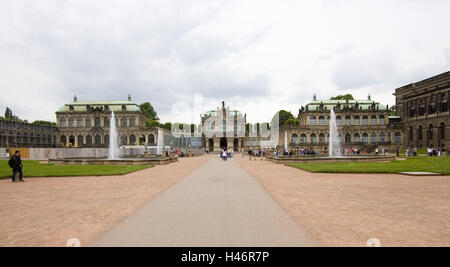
<point>16,164</point>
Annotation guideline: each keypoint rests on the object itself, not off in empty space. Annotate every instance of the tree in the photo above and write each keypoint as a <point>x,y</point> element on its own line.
<point>8,113</point>
<point>283,117</point>
<point>44,123</point>
<point>392,110</point>
<point>343,97</point>
<point>149,111</point>
<point>167,126</point>
<point>292,122</point>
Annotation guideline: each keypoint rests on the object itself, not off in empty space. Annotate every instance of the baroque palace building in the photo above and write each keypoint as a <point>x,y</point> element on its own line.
<point>227,129</point>
<point>87,124</point>
<point>361,123</point>
<point>424,109</point>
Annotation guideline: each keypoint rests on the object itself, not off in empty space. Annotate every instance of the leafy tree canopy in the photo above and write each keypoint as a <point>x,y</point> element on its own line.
<point>44,123</point>
<point>343,97</point>
<point>149,111</point>
<point>283,117</point>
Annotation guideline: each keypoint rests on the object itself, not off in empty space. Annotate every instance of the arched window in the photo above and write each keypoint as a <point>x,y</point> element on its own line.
<point>132,121</point>
<point>421,107</point>
<point>313,138</point>
<point>123,140</point>
<point>294,139</point>
<point>430,132</point>
<point>321,120</point>
<point>88,122</point>
<point>98,140</point>
<point>71,122</point>
<point>356,138</point>
<point>132,139</point>
<point>444,103</point>
<point>79,122</point>
<point>365,120</point>
<point>338,120</point>
<point>411,133</point>
<point>420,133</point>
<point>63,140</point>
<point>151,139</point>
<point>72,140</point>
<point>365,138</point>
<point>106,122</point>
<point>80,141</point>
<point>382,138</point>
<point>432,105</point>
<point>123,122</point>
<point>398,138</point>
<point>348,138</point>
<point>373,138</point>
<point>412,108</point>
<point>321,138</point>
<point>348,120</point>
<point>373,120</point>
<point>303,138</point>
<point>356,120</point>
<point>381,120</point>
<point>442,131</point>
<point>106,140</point>
<point>88,140</point>
<point>312,120</point>
<point>97,122</point>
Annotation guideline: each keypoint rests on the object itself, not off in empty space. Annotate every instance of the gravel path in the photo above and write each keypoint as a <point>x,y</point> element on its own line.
<point>219,204</point>
<point>349,209</point>
<point>48,211</point>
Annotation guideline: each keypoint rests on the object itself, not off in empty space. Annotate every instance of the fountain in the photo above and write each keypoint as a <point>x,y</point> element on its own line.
<point>113,147</point>
<point>334,148</point>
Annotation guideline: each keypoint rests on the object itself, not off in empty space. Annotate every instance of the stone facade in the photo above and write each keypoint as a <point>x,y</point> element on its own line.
<point>228,127</point>
<point>424,109</point>
<point>364,124</point>
<point>87,124</point>
<point>20,134</point>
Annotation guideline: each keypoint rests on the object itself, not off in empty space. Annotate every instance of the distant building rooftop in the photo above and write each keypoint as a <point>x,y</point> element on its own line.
<point>81,106</point>
<point>330,104</point>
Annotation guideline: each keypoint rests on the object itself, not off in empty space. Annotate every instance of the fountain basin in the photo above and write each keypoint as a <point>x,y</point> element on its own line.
<point>310,159</point>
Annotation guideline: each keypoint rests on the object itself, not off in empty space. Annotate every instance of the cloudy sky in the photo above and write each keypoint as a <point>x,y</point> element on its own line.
<point>259,56</point>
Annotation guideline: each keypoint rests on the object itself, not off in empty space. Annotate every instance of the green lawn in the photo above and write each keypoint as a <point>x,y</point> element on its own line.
<point>434,164</point>
<point>35,169</point>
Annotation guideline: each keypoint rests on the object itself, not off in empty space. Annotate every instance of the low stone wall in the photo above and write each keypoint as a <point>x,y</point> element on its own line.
<point>52,153</point>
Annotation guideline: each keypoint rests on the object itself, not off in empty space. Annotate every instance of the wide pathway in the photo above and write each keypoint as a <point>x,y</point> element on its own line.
<point>219,204</point>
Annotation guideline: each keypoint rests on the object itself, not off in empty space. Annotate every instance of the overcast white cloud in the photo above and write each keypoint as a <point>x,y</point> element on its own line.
<point>259,56</point>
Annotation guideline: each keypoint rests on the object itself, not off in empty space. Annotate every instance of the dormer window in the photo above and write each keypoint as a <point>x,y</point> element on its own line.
<point>124,108</point>
<point>70,108</point>
<point>106,107</point>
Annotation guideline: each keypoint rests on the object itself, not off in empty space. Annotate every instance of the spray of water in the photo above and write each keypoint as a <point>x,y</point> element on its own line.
<point>113,147</point>
<point>334,140</point>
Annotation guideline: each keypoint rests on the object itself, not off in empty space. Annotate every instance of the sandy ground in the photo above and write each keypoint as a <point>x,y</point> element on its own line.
<point>349,209</point>
<point>48,211</point>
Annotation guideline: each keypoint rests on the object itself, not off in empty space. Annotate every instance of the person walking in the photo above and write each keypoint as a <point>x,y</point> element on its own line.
<point>16,165</point>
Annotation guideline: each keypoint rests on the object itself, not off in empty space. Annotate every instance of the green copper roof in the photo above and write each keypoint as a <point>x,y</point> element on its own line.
<point>81,106</point>
<point>330,104</point>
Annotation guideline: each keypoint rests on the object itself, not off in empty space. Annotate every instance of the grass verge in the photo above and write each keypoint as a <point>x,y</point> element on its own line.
<point>430,164</point>
<point>33,168</point>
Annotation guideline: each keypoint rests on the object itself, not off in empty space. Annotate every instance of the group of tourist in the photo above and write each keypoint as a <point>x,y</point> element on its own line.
<point>259,153</point>
<point>431,152</point>
<point>226,154</point>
